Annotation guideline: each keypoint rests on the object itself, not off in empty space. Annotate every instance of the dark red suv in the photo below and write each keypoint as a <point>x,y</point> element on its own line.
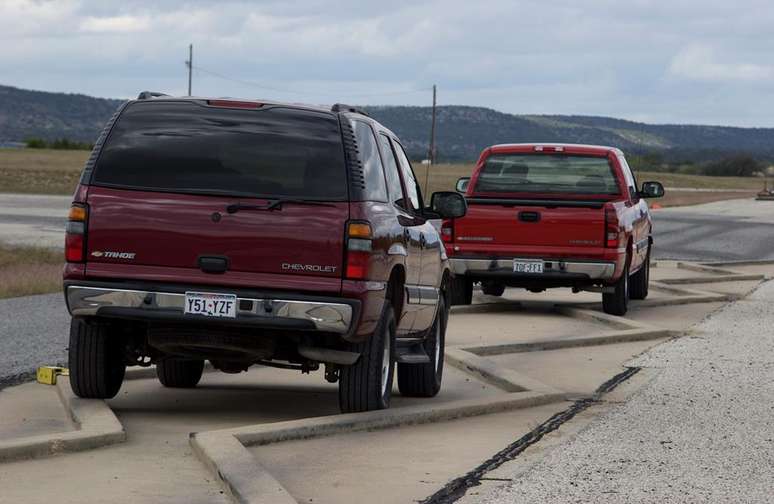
<point>245,232</point>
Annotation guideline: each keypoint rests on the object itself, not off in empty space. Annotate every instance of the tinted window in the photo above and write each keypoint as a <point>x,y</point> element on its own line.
<point>186,147</point>
<point>410,182</point>
<point>546,173</point>
<point>372,164</point>
<point>394,188</point>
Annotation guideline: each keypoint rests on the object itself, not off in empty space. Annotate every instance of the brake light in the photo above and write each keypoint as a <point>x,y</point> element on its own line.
<point>359,248</point>
<point>234,104</point>
<point>447,231</point>
<point>612,227</point>
<point>75,233</point>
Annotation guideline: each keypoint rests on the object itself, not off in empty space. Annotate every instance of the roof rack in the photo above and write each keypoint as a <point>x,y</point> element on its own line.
<point>340,107</point>
<point>146,95</point>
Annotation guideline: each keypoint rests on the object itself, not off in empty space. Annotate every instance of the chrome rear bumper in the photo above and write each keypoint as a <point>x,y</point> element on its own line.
<point>324,316</point>
<point>594,270</point>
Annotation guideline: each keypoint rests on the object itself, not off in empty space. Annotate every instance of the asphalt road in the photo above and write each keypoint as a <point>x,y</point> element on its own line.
<point>733,230</point>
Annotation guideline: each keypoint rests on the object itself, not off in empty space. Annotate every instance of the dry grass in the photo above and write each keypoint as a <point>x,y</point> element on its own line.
<point>754,184</point>
<point>29,270</point>
<point>46,171</point>
<point>40,171</point>
<point>685,198</point>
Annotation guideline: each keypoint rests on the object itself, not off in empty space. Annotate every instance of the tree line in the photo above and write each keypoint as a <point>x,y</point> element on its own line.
<point>59,144</point>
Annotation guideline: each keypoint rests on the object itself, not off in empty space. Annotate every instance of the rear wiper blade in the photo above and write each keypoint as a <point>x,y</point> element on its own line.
<point>274,205</point>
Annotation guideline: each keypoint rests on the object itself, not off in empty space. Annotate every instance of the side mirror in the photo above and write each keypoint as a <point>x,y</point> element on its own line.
<point>651,190</point>
<point>448,204</point>
<point>462,184</point>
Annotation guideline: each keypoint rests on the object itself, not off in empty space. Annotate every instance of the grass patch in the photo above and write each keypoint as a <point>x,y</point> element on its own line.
<point>25,271</point>
<point>40,171</point>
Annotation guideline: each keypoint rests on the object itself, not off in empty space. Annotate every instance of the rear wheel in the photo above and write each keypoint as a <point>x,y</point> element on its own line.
<point>640,280</point>
<point>424,380</point>
<point>95,359</point>
<point>492,288</point>
<point>461,291</point>
<point>617,302</point>
<point>367,384</point>
<point>179,373</point>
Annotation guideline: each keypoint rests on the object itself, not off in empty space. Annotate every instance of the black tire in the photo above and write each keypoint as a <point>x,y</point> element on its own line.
<point>492,288</point>
<point>638,283</point>
<point>179,373</point>
<point>363,386</point>
<point>424,380</point>
<point>96,360</point>
<point>461,291</point>
<point>617,302</point>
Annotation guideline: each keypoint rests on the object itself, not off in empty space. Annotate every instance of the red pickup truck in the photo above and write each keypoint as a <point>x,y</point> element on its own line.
<point>549,215</point>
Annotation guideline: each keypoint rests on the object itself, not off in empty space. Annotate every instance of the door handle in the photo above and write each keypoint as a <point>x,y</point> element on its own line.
<point>422,240</point>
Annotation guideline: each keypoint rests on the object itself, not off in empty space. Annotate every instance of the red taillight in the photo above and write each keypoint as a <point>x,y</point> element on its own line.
<point>447,231</point>
<point>359,249</point>
<point>75,234</point>
<point>74,247</point>
<point>612,227</point>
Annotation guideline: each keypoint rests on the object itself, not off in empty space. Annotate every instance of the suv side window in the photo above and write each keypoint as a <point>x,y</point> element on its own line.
<point>391,172</point>
<point>414,197</point>
<point>375,189</point>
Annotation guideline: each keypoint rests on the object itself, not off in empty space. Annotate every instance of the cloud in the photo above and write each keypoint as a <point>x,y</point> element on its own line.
<point>115,24</point>
<point>604,57</point>
<point>700,62</point>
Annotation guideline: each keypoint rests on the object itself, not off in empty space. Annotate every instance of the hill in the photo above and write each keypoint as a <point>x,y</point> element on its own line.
<point>25,114</point>
<point>462,131</point>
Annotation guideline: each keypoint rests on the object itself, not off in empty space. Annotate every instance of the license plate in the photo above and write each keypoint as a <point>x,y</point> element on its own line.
<point>528,266</point>
<point>210,304</point>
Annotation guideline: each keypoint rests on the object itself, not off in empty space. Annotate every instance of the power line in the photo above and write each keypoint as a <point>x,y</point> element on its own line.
<point>304,93</point>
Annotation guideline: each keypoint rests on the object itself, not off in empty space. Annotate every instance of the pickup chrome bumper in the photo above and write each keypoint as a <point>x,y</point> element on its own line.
<point>313,315</point>
<point>594,270</point>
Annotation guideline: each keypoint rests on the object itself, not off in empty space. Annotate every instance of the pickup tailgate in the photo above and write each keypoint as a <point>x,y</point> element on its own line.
<point>513,228</point>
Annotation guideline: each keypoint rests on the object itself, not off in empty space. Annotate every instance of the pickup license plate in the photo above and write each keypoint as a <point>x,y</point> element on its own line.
<point>210,304</point>
<point>528,266</point>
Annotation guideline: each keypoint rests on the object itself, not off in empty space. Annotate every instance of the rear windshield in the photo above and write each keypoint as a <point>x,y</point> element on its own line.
<point>187,147</point>
<point>546,173</point>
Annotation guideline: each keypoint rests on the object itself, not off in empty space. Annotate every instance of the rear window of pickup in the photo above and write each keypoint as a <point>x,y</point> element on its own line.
<point>546,173</point>
<point>191,148</point>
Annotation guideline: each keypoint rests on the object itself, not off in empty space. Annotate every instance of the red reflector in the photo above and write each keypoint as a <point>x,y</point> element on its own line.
<point>357,265</point>
<point>74,247</point>
<point>234,104</point>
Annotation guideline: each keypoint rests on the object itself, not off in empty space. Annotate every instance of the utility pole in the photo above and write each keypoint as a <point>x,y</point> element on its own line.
<point>431,154</point>
<point>189,64</point>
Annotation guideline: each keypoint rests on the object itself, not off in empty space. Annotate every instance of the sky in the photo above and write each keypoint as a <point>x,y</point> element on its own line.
<point>665,61</point>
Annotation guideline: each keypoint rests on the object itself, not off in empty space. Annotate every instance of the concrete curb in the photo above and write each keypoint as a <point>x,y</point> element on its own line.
<point>225,454</point>
<point>609,338</point>
<point>97,426</point>
<point>488,371</point>
<point>742,262</point>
